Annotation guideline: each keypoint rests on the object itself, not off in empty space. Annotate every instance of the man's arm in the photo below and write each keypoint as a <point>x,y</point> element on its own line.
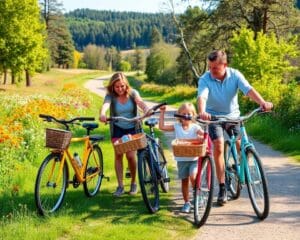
<point>256,97</point>
<point>201,105</point>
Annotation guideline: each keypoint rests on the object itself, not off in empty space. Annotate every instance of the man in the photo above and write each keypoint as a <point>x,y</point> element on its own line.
<point>217,95</point>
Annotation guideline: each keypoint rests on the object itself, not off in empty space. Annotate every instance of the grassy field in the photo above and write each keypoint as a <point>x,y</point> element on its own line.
<point>101,217</point>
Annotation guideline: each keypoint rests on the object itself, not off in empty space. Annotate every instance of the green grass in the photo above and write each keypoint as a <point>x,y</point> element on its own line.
<point>280,138</point>
<point>172,95</point>
<point>101,217</point>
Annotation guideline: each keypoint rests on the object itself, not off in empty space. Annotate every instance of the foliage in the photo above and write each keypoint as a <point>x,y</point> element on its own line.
<point>60,42</point>
<point>172,95</point>
<point>21,129</point>
<point>125,66</point>
<point>265,62</point>
<point>94,57</point>
<point>124,30</point>
<point>77,58</point>
<point>136,58</point>
<point>199,40</point>
<point>161,63</point>
<point>259,16</point>
<point>288,110</point>
<point>59,39</point>
<point>21,37</point>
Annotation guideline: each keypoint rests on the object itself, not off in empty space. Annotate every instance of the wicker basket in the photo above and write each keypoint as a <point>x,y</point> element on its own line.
<point>188,148</point>
<point>57,138</point>
<point>137,141</point>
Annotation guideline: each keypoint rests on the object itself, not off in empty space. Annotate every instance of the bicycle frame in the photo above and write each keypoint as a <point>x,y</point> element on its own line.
<point>152,147</point>
<point>66,155</point>
<point>245,143</point>
<point>207,153</point>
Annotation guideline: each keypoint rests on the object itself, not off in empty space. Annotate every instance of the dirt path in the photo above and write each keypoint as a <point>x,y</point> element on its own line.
<point>237,220</point>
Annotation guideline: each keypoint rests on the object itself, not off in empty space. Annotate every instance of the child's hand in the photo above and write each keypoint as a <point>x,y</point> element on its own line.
<point>163,108</point>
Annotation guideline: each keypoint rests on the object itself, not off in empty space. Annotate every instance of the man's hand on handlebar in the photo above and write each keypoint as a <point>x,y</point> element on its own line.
<point>205,116</point>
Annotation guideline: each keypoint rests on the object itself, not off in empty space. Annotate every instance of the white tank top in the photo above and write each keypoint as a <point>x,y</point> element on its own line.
<point>190,133</point>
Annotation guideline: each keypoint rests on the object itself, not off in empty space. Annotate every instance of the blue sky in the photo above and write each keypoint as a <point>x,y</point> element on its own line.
<point>149,6</point>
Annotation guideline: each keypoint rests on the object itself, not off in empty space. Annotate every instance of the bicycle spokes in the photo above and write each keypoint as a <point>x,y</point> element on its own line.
<point>203,191</point>
<point>257,184</point>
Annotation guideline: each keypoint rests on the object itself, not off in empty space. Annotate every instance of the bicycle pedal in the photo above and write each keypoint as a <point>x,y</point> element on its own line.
<point>107,178</point>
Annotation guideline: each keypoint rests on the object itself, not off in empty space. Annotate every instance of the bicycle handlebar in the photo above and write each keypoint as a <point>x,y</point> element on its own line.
<point>64,122</point>
<point>150,112</point>
<point>221,118</point>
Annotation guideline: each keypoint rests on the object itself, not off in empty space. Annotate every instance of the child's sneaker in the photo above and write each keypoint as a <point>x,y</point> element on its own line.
<point>186,207</point>
<point>133,189</point>
<point>119,191</point>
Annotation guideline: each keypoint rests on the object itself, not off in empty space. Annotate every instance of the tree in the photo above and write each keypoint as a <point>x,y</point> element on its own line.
<point>50,9</point>
<point>59,39</point>
<point>125,66</point>
<point>156,37</point>
<point>264,61</point>
<point>21,39</point>
<point>94,57</point>
<point>139,60</point>
<point>161,63</point>
<point>76,59</point>
<point>260,15</point>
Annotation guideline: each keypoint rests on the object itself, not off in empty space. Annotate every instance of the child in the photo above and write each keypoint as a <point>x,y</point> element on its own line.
<point>187,166</point>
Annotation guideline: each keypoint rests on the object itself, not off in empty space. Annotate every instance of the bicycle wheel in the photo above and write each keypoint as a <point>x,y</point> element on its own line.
<point>232,180</point>
<point>164,183</point>
<point>148,181</point>
<point>257,184</point>
<point>94,167</point>
<point>49,188</point>
<point>203,194</point>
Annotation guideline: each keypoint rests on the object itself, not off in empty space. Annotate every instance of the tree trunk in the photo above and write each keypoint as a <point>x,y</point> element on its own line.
<point>28,78</point>
<point>13,78</point>
<point>5,77</point>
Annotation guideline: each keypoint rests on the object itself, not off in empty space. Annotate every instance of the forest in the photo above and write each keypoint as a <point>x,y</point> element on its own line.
<point>123,30</point>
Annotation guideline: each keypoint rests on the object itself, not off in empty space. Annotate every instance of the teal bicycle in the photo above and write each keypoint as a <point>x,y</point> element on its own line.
<point>246,169</point>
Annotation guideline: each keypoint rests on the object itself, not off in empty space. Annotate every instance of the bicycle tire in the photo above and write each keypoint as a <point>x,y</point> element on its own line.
<point>257,184</point>
<point>148,181</point>
<point>94,165</point>
<point>203,195</point>
<point>49,195</point>
<point>163,170</point>
<point>231,177</point>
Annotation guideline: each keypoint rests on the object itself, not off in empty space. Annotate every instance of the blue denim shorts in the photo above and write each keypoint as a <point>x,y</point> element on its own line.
<point>217,130</point>
<point>186,168</point>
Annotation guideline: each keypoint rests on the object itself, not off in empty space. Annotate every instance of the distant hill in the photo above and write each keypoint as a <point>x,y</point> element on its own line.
<point>124,30</point>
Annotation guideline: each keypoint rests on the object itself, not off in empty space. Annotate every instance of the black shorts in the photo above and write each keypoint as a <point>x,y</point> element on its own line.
<point>217,130</point>
<point>119,132</point>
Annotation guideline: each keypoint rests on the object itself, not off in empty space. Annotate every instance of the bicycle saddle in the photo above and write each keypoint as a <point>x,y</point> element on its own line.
<point>151,122</point>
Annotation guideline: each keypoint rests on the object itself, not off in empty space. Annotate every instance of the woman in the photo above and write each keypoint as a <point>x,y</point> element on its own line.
<point>123,101</point>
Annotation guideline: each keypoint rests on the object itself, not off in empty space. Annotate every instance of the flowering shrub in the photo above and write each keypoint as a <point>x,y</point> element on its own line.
<point>22,131</point>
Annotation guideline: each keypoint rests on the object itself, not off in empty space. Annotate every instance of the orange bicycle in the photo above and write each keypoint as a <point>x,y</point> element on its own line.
<point>53,175</point>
